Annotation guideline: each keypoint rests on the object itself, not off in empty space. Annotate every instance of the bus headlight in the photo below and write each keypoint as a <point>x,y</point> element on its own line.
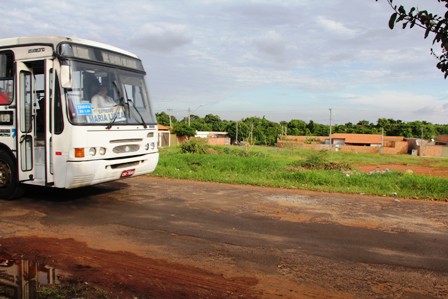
<point>153,145</point>
<point>102,151</point>
<point>92,151</point>
<point>147,146</point>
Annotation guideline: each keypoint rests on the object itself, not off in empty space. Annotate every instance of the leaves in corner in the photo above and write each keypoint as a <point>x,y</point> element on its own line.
<point>392,19</point>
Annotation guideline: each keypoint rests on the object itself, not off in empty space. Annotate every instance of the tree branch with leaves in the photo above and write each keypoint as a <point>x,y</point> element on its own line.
<point>431,23</point>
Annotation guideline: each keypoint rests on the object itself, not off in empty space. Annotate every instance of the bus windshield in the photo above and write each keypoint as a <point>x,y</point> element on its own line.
<point>102,95</point>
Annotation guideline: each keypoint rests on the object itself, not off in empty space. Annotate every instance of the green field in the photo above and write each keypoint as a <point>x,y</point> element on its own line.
<point>301,169</point>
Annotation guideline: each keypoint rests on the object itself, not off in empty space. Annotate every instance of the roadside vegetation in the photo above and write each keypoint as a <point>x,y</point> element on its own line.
<point>73,289</point>
<point>300,169</point>
<point>261,131</point>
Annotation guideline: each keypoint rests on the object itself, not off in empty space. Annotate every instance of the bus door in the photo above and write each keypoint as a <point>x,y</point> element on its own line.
<point>42,87</point>
<point>48,118</point>
<point>25,128</point>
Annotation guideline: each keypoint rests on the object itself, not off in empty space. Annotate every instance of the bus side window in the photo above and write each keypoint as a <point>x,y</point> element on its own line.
<point>4,97</point>
<point>6,78</point>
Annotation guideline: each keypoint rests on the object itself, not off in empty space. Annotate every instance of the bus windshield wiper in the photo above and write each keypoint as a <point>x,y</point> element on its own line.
<point>135,108</point>
<point>120,104</point>
<point>117,109</point>
<point>140,115</point>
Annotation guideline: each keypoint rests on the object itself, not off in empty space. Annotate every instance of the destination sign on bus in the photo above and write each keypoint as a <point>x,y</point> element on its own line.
<point>106,115</point>
<point>100,55</point>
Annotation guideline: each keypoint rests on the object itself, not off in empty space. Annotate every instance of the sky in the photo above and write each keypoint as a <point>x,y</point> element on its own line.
<point>279,59</point>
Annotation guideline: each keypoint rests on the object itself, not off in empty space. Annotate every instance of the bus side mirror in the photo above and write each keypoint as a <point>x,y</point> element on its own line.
<point>66,76</point>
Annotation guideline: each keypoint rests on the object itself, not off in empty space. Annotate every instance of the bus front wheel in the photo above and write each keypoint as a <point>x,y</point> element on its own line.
<point>9,185</point>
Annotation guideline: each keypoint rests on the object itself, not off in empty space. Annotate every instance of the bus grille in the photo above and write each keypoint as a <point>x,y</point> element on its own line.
<point>125,165</point>
<point>126,148</point>
<point>81,180</point>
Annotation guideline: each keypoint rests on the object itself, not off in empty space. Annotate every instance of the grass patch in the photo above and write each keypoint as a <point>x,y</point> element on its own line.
<point>300,169</point>
<point>72,290</point>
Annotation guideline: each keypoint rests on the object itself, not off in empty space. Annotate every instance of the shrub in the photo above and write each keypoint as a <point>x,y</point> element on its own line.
<point>319,161</point>
<point>194,146</point>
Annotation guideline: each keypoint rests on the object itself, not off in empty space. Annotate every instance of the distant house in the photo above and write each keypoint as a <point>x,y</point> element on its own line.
<point>367,143</point>
<point>164,135</point>
<point>442,139</point>
<point>429,148</point>
<point>357,139</point>
<point>214,138</point>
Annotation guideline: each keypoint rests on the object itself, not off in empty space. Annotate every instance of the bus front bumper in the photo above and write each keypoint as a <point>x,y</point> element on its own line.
<point>86,173</point>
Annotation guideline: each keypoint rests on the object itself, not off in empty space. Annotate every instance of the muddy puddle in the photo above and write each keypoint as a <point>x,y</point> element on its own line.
<point>21,278</point>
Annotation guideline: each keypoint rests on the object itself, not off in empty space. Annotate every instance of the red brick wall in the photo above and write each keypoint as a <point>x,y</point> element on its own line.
<point>218,141</point>
<point>394,147</point>
<point>430,151</point>
<point>443,138</point>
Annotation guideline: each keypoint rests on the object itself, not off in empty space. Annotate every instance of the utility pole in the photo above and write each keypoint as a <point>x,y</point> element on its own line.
<point>331,145</point>
<point>251,134</point>
<point>169,115</point>
<point>236,133</point>
<point>421,145</point>
<point>189,112</point>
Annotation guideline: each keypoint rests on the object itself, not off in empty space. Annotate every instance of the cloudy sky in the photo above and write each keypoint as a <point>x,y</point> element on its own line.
<point>282,59</point>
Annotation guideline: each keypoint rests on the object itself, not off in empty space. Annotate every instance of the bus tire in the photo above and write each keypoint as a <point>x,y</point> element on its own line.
<point>10,187</point>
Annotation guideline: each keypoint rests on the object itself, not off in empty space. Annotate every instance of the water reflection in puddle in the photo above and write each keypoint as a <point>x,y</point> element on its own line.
<point>20,279</point>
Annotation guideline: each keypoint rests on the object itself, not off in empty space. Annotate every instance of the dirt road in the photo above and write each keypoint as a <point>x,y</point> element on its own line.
<point>158,238</point>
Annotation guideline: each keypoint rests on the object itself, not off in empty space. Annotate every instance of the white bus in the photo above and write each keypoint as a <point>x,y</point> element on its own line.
<point>73,113</point>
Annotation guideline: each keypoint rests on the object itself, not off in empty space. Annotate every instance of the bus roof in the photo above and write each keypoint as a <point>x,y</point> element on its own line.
<point>56,40</point>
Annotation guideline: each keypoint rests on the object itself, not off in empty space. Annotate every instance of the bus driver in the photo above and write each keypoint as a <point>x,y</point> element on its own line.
<point>101,99</point>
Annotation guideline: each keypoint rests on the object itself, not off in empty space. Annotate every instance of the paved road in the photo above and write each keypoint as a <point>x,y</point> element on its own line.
<point>251,242</point>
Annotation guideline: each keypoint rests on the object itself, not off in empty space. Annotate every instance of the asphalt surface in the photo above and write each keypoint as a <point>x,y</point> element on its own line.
<point>278,243</point>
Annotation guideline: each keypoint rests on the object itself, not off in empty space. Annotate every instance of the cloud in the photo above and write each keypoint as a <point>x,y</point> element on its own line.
<point>435,109</point>
<point>163,37</point>
<point>401,105</point>
<point>335,27</point>
<point>338,54</point>
<point>265,13</point>
<point>271,44</point>
<point>394,100</point>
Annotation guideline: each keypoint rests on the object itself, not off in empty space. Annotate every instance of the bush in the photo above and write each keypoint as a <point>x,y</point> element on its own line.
<point>194,146</point>
<point>319,161</point>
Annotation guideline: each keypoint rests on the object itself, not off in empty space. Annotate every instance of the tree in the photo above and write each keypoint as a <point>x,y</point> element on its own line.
<point>199,124</point>
<point>310,127</point>
<point>243,131</point>
<point>163,118</point>
<point>262,131</point>
<point>182,129</point>
<point>316,129</point>
<point>363,127</point>
<point>431,23</point>
<point>214,121</point>
<point>297,127</point>
<point>349,128</point>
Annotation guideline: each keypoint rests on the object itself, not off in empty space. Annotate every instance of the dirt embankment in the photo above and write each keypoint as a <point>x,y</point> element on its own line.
<point>418,169</point>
